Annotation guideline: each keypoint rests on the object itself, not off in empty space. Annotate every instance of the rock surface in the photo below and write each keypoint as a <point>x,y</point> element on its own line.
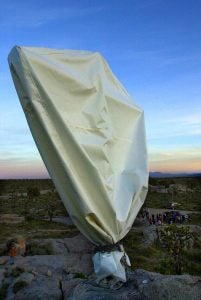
<point>11,218</point>
<point>70,276</point>
<point>77,244</point>
<point>150,234</point>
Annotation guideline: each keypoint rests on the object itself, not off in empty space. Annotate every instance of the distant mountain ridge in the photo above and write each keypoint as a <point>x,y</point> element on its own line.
<point>167,175</point>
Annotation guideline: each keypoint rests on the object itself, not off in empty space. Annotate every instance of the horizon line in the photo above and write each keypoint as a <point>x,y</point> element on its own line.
<point>48,177</point>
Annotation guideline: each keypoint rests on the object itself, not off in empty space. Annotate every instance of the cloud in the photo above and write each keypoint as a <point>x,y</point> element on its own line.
<point>4,76</point>
<point>190,119</point>
<point>34,16</point>
<point>173,132</point>
<point>15,137</point>
<point>175,160</point>
<point>160,57</point>
<point>165,127</point>
<point>160,153</point>
<point>22,168</point>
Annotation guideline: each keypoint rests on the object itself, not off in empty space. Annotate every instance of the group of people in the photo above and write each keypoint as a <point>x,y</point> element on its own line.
<point>169,217</point>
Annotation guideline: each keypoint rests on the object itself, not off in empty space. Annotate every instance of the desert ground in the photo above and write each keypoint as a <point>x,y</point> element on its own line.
<point>33,211</point>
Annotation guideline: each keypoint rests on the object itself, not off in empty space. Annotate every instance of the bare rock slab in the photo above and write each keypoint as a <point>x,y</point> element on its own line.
<point>166,287</point>
<point>56,263</point>
<point>77,244</point>
<point>2,271</point>
<point>42,288</point>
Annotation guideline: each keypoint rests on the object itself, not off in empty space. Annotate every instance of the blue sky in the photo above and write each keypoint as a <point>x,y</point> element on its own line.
<point>152,46</point>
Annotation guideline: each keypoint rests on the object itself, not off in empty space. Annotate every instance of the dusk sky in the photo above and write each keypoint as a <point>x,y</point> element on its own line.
<point>152,46</point>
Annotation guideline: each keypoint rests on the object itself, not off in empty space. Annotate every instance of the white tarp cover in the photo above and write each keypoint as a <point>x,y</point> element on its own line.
<point>90,134</point>
<point>109,263</point>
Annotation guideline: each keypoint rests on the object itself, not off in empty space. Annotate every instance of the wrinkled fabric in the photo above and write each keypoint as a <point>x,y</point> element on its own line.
<point>90,134</point>
<point>109,263</point>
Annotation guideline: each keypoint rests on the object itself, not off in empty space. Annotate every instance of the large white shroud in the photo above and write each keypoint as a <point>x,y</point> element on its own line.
<point>90,134</point>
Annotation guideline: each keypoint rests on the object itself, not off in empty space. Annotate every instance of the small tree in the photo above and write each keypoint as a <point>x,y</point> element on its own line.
<point>176,239</point>
<point>13,198</point>
<point>32,195</point>
<point>32,192</point>
<point>49,204</point>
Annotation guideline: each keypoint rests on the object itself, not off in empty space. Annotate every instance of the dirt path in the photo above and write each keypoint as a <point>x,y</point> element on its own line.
<point>154,211</point>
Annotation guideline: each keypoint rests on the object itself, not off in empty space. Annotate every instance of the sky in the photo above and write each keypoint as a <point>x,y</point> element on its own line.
<point>152,46</point>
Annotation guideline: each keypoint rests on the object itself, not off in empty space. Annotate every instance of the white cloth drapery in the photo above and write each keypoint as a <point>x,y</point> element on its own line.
<point>90,134</point>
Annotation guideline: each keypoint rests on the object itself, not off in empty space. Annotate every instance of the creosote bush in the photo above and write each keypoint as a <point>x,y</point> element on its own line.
<point>19,285</point>
<point>79,275</point>
<point>3,291</point>
<point>17,271</point>
<point>35,248</point>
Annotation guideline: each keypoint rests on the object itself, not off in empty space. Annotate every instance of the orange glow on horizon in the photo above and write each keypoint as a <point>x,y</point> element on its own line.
<point>176,167</point>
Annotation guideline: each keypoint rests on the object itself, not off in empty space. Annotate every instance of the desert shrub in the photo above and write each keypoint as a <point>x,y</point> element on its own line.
<point>19,285</point>
<point>17,271</point>
<point>79,275</point>
<point>3,291</point>
<point>35,248</point>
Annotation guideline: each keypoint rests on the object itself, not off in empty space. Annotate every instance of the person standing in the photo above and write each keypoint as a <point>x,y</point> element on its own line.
<point>12,253</point>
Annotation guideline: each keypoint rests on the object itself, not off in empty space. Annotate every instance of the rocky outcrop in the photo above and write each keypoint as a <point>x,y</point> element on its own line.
<point>11,218</point>
<point>70,276</point>
<point>149,234</point>
<point>42,287</point>
<point>156,286</point>
<point>77,244</point>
